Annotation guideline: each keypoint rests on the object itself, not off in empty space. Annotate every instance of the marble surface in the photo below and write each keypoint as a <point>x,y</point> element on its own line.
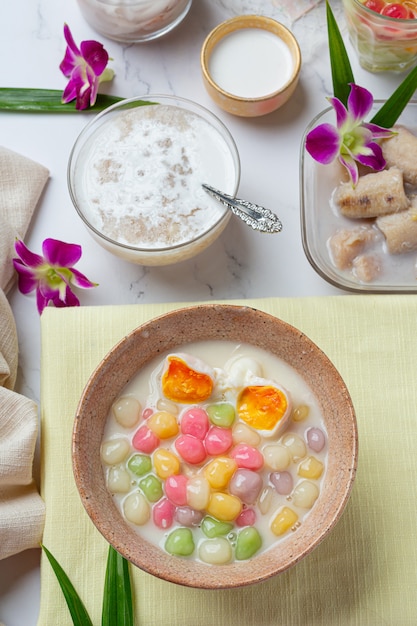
<point>242,263</point>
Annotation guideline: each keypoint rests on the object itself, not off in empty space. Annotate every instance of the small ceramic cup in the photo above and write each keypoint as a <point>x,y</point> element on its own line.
<point>250,65</point>
<point>134,21</point>
<point>382,43</point>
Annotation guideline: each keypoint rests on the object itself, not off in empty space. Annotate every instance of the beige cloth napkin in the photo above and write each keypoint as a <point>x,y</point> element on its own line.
<point>21,508</point>
<point>363,574</point>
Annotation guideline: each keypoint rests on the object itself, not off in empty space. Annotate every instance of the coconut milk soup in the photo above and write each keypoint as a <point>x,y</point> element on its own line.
<point>139,179</point>
<point>215,451</point>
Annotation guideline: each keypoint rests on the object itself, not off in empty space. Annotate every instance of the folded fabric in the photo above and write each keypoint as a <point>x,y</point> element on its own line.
<point>363,574</point>
<point>21,508</point>
<point>22,183</point>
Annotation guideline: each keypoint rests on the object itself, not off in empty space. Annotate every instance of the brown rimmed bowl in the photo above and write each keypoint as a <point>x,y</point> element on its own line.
<point>215,322</point>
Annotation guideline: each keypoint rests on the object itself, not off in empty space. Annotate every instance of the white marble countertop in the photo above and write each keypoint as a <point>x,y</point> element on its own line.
<point>242,263</point>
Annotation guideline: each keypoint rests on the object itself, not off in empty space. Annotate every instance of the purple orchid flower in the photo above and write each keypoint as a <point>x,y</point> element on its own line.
<point>352,140</point>
<point>85,68</point>
<point>51,274</point>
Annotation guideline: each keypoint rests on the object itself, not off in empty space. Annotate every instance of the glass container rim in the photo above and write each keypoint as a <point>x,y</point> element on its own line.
<point>387,18</point>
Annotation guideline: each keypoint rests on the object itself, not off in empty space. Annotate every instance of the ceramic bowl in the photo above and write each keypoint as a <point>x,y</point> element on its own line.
<point>135,176</point>
<point>212,322</point>
<point>250,65</point>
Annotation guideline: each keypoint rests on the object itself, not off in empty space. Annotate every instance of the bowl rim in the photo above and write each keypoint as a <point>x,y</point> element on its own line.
<point>250,21</point>
<point>218,124</point>
<point>128,542</point>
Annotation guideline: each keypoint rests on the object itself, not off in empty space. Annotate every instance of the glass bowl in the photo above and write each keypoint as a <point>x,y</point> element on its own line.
<point>134,21</point>
<point>135,177</point>
<point>382,43</point>
<point>320,220</point>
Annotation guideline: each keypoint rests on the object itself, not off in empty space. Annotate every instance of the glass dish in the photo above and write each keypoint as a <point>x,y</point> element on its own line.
<point>320,220</point>
<point>382,43</point>
<point>135,176</point>
<point>134,21</point>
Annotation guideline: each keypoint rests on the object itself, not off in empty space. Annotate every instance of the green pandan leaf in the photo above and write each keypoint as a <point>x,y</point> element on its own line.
<point>342,73</point>
<point>389,113</point>
<point>46,101</point>
<point>75,605</point>
<point>117,597</point>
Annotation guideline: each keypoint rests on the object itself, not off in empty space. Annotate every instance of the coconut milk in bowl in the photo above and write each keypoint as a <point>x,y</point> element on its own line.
<point>135,177</point>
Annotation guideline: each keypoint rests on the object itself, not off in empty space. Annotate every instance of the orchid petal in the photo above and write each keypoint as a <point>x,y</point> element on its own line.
<point>68,63</point>
<point>57,296</point>
<point>84,100</point>
<point>29,258</point>
<point>62,292</point>
<point>93,82</point>
<point>342,114</point>
<point>350,164</point>
<point>374,158</point>
<point>59,253</point>
<point>323,143</point>
<point>377,131</point>
<point>48,292</point>
<point>68,298</point>
<point>360,102</point>
<point>72,53</point>
<point>27,280</point>
<point>70,93</point>
<point>70,40</point>
<point>41,302</point>
<point>93,94</point>
<point>79,78</point>
<point>79,280</point>
<point>79,88</point>
<point>71,299</point>
<point>95,56</point>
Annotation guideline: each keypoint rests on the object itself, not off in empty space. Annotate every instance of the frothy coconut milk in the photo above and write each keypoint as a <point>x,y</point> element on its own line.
<point>138,179</point>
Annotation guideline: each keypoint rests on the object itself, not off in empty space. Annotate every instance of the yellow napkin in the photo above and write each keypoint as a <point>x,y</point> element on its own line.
<point>363,574</point>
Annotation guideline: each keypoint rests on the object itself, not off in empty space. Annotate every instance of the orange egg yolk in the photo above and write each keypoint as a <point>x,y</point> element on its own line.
<point>262,407</point>
<point>181,383</point>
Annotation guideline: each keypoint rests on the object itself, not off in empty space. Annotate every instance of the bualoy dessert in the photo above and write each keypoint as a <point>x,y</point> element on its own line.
<point>215,452</point>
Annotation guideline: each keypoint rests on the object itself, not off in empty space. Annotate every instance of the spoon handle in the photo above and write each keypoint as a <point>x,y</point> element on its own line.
<point>254,215</point>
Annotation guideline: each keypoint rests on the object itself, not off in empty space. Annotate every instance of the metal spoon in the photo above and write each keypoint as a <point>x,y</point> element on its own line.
<point>254,215</point>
